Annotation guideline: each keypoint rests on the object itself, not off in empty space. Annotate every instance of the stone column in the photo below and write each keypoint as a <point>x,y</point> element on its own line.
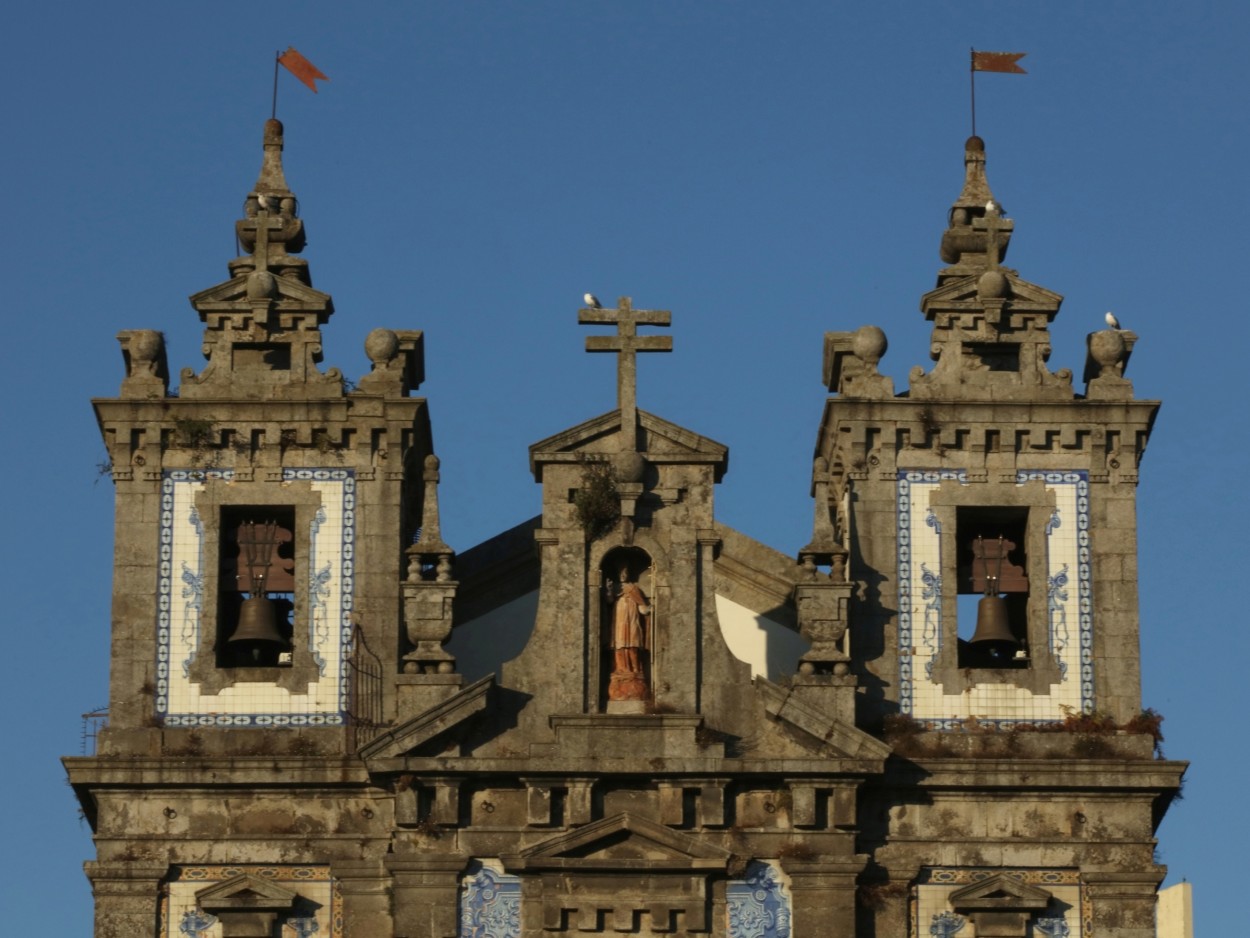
<point>425,892</point>
<point>126,896</point>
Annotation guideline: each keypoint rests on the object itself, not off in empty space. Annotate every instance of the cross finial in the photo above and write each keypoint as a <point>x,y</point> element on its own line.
<point>627,343</point>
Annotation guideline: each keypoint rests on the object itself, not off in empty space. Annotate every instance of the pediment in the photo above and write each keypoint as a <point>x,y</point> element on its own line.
<point>232,294</point>
<point>621,842</point>
<point>820,732</point>
<point>1001,893</point>
<point>665,443</point>
<point>412,733</point>
<point>961,293</point>
<point>246,892</point>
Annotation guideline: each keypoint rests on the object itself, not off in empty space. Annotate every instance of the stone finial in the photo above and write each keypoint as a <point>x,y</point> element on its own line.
<point>976,230</point>
<point>1108,352</point>
<point>398,359</point>
<point>824,549</point>
<point>850,363</point>
<point>147,371</point>
<point>263,325</point>
<point>429,590</point>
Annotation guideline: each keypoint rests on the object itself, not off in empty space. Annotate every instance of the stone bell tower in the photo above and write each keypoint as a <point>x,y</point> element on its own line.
<point>264,514</point>
<point>987,516</point>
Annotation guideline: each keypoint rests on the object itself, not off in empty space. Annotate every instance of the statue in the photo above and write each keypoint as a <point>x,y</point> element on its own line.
<point>631,615</point>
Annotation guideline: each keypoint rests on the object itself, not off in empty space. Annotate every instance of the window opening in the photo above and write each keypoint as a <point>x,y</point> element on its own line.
<point>992,587</point>
<point>256,600</point>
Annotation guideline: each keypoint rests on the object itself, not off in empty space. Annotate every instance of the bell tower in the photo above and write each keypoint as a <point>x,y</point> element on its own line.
<point>266,516</point>
<point>990,507</point>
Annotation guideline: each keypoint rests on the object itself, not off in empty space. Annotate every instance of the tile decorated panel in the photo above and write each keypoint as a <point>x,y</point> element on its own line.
<point>921,595</point>
<point>490,904</point>
<point>758,906</point>
<point>325,616</point>
<point>1068,916</point>
<point>322,914</point>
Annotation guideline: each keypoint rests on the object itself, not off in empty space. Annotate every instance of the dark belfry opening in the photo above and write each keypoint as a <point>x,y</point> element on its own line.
<point>992,587</point>
<point>256,587</point>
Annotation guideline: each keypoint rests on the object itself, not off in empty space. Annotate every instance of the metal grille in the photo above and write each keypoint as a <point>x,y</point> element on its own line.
<point>364,709</point>
<point>92,723</point>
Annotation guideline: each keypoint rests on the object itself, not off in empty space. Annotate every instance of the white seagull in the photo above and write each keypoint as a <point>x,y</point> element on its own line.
<point>1111,320</point>
<point>592,301</point>
<point>263,200</point>
<point>991,206</point>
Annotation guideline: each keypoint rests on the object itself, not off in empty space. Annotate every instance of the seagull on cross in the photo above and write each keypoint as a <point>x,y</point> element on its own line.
<point>263,200</point>
<point>592,301</point>
<point>1111,320</point>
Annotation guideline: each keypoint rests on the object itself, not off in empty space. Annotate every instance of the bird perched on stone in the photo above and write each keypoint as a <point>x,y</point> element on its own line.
<point>993,208</point>
<point>592,301</point>
<point>264,201</point>
<point>1111,320</point>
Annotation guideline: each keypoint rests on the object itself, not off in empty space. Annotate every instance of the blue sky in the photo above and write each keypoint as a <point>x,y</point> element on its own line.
<point>767,171</point>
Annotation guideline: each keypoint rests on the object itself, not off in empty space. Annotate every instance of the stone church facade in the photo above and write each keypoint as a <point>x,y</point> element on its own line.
<point>624,717</point>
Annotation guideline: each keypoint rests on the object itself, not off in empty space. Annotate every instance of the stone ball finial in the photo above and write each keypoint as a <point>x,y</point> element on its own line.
<point>975,143</point>
<point>869,344</point>
<point>273,130</point>
<point>261,285</point>
<point>1107,348</point>
<point>381,345</point>
<point>432,462</point>
<point>993,285</point>
<point>629,466</point>
<point>145,345</point>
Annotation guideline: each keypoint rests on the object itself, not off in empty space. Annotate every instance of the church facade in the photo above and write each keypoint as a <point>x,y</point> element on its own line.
<point>624,717</point>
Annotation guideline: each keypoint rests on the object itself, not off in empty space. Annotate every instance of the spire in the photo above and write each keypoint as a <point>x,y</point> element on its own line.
<point>270,230</point>
<point>977,235</point>
<point>262,326</point>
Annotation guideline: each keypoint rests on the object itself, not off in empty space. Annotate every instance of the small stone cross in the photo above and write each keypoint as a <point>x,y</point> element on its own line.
<point>994,224</point>
<point>627,343</point>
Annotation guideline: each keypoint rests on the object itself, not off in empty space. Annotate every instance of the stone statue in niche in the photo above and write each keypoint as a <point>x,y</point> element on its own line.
<point>629,620</point>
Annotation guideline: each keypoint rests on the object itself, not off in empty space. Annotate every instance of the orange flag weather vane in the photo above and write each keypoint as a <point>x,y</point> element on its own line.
<point>301,68</point>
<point>992,62</point>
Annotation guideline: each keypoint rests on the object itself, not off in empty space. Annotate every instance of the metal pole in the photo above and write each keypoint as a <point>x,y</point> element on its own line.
<point>273,113</point>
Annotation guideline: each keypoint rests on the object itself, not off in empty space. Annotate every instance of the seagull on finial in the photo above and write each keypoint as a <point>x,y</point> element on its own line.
<point>263,200</point>
<point>592,301</point>
<point>1112,321</point>
<point>993,208</point>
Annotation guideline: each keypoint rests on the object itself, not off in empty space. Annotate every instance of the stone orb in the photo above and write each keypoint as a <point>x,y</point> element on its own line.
<point>629,466</point>
<point>869,344</point>
<point>992,285</point>
<point>1106,347</point>
<point>381,345</point>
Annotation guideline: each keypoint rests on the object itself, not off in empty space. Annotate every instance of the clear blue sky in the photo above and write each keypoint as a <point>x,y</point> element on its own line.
<point>767,171</point>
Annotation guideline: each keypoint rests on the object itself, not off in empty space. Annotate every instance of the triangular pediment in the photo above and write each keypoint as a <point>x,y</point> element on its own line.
<point>435,721</point>
<point>1024,296</point>
<point>232,294</point>
<point>623,841</point>
<point>817,730</point>
<point>1000,892</point>
<point>665,442</point>
<point>246,891</point>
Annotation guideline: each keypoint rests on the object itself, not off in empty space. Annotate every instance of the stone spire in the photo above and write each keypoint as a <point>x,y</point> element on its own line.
<point>262,332</point>
<point>991,336</point>
<point>977,235</point>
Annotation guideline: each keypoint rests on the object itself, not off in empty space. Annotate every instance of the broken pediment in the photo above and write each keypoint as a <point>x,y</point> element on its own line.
<point>437,720</point>
<point>999,893</point>
<point>818,730</point>
<point>622,842</point>
<point>659,441</point>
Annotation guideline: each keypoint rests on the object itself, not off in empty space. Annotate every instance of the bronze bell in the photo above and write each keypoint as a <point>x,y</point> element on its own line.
<point>993,630</point>
<point>258,622</point>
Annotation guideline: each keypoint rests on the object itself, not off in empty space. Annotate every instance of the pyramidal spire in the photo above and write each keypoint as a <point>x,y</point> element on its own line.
<point>977,234</point>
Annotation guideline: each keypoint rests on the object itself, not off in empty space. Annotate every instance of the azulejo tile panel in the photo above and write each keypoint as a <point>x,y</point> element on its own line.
<point>322,915</point>
<point>920,611</point>
<point>326,609</point>
<point>490,904</point>
<point>758,906</point>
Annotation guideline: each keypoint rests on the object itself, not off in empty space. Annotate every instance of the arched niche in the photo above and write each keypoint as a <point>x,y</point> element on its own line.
<point>628,606</point>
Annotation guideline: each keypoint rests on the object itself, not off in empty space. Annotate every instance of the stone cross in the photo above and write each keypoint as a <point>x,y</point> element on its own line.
<point>993,225</point>
<point>627,343</point>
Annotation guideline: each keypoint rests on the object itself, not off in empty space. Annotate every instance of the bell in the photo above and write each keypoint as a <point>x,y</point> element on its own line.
<point>258,622</point>
<point>993,632</point>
